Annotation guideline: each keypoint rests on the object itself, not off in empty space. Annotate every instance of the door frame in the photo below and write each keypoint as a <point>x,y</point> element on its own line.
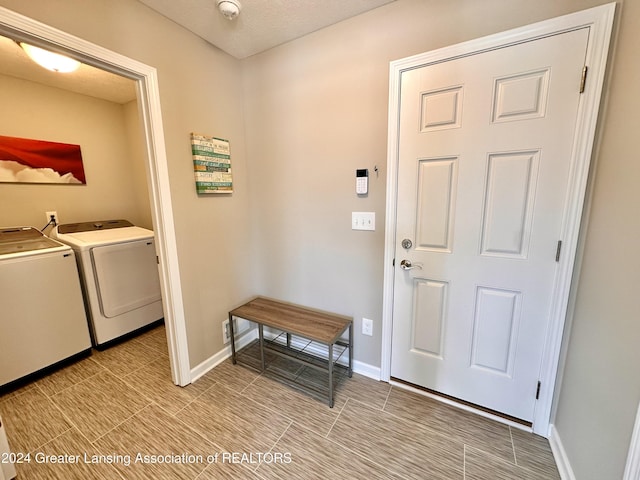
<point>20,27</point>
<point>600,21</point>
<point>632,468</point>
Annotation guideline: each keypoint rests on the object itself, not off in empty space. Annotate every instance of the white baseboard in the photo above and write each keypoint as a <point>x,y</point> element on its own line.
<point>320,350</point>
<point>366,370</point>
<point>560,455</point>
<point>632,469</point>
<point>210,363</point>
<point>217,358</point>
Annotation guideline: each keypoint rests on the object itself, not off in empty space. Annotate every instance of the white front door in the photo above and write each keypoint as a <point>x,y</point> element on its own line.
<point>485,148</point>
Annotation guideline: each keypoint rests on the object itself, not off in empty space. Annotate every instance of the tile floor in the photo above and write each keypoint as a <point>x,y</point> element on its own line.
<point>116,415</point>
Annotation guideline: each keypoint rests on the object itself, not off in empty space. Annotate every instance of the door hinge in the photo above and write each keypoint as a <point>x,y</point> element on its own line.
<point>558,249</point>
<point>538,391</point>
<point>394,262</point>
<point>583,79</point>
<point>157,260</point>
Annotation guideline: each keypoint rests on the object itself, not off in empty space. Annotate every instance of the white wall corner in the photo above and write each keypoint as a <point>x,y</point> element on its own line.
<point>560,455</point>
<point>632,470</point>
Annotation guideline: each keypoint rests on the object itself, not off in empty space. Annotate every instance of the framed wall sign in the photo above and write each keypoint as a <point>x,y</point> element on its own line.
<point>211,164</point>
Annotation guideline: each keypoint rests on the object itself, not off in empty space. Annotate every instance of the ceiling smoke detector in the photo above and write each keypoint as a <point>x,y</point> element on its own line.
<point>229,8</point>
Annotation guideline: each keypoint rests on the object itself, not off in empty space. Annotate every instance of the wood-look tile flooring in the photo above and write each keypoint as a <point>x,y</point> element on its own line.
<point>118,416</point>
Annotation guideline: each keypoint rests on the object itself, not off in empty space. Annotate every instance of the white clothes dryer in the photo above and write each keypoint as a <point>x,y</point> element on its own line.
<point>42,316</point>
<point>119,269</point>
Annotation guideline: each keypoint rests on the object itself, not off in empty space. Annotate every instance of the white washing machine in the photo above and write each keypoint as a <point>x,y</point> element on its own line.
<point>7,468</point>
<point>42,315</point>
<point>119,269</point>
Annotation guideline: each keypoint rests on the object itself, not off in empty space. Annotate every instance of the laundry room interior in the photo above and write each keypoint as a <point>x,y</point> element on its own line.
<point>98,111</point>
<point>111,140</point>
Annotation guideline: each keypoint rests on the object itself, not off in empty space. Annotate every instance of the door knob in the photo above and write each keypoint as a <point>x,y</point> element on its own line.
<point>406,265</point>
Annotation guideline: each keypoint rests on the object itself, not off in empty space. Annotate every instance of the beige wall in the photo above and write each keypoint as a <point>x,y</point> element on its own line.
<point>31,110</point>
<point>315,110</point>
<point>601,386</point>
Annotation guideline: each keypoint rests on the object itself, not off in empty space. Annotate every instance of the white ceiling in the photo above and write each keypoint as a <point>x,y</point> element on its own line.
<point>262,24</point>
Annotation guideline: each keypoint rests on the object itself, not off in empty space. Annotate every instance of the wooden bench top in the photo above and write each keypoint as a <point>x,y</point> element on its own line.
<point>316,325</point>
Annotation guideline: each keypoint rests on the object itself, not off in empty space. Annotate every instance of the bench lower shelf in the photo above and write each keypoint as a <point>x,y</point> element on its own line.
<point>294,367</point>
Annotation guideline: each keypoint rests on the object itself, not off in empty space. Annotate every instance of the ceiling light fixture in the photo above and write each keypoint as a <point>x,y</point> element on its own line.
<point>229,8</point>
<point>50,60</point>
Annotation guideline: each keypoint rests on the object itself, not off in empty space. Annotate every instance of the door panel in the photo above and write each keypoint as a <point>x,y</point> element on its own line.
<point>436,197</point>
<point>521,97</point>
<point>508,203</point>
<point>485,146</point>
<point>429,315</point>
<point>127,276</point>
<point>495,329</point>
<point>441,109</point>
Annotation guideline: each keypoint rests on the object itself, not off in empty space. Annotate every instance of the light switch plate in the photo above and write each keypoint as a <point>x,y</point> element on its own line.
<point>363,220</point>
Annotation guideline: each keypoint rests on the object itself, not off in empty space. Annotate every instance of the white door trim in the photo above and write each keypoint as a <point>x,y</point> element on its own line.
<point>632,469</point>
<point>19,27</point>
<point>600,21</point>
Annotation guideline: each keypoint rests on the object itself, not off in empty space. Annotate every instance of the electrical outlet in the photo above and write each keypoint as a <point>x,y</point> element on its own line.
<point>367,327</point>
<point>53,214</point>
<point>226,335</point>
<point>240,325</point>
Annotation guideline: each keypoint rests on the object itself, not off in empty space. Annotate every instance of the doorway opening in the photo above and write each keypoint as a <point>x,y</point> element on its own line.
<point>21,28</point>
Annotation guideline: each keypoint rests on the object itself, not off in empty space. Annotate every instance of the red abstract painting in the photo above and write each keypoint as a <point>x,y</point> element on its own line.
<point>36,161</point>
